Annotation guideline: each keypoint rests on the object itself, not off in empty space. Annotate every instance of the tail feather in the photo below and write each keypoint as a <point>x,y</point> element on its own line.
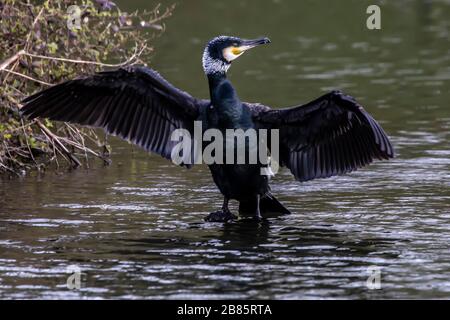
<point>268,206</point>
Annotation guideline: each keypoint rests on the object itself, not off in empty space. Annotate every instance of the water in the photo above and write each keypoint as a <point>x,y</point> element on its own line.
<point>135,228</point>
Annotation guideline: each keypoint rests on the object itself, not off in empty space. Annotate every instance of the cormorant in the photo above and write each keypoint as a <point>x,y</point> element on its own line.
<point>329,136</point>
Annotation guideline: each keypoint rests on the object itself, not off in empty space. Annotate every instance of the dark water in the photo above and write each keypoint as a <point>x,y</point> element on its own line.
<point>135,228</point>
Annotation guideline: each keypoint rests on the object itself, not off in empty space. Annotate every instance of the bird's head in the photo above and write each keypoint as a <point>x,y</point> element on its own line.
<point>221,51</point>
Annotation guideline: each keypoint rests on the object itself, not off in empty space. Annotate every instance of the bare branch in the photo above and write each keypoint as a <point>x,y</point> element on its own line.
<point>10,60</point>
<point>57,141</point>
<point>27,77</point>
<point>127,62</point>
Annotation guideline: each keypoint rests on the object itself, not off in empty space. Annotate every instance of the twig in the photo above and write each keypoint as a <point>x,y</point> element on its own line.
<point>133,57</point>
<point>21,127</point>
<point>14,58</point>
<point>56,140</point>
<point>85,149</point>
<point>27,77</point>
<point>27,42</point>
<point>167,13</point>
<point>73,131</point>
<point>10,60</point>
<point>9,169</point>
<point>11,158</point>
<point>26,140</point>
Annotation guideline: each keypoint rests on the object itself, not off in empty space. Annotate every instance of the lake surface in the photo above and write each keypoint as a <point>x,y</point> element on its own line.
<point>135,229</point>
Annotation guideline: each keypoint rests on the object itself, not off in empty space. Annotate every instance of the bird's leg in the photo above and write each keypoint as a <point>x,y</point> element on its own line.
<point>222,215</point>
<point>225,208</point>
<point>258,211</point>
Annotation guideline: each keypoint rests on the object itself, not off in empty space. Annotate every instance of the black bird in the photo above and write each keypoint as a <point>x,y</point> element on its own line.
<point>331,135</point>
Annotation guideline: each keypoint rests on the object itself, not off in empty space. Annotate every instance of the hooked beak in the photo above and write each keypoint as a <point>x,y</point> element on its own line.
<point>249,44</point>
<point>231,53</point>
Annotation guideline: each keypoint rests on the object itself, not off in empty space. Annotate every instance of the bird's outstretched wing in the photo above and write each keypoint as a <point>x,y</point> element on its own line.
<point>135,103</point>
<point>331,135</point>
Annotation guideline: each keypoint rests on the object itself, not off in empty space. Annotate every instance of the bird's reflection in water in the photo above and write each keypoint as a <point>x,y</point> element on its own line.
<point>275,236</point>
<point>245,232</point>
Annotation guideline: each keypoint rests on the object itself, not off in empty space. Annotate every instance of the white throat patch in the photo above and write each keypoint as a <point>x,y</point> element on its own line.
<point>229,55</point>
<point>211,65</point>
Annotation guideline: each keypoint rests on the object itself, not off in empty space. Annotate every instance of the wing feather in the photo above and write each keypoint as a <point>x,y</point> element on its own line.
<point>134,103</point>
<point>331,135</point>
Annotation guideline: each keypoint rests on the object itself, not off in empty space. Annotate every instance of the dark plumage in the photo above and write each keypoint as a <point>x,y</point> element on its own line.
<point>134,103</point>
<point>331,135</point>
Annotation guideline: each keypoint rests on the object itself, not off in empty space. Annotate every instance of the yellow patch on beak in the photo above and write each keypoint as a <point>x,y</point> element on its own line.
<point>231,53</point>
<point>236,50</point>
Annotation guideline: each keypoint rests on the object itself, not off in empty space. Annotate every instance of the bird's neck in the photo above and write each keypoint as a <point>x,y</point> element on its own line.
<point>215,80</point>
<point>225,102</point>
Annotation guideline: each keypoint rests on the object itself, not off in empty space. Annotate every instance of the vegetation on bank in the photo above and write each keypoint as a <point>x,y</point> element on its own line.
<point>47,43</point>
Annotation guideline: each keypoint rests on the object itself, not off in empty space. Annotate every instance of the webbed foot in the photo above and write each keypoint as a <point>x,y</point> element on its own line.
<point>220,216</point>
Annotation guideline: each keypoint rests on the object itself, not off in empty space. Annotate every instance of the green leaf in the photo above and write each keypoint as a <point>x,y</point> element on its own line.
<point>52,47</point>
<point>48,123</point>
